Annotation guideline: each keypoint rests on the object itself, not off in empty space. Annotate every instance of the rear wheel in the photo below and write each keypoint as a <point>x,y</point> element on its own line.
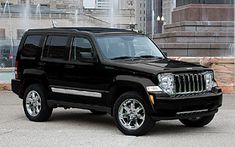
<point>132,115</point>
<point>35,104</point>
<point>197,121</point>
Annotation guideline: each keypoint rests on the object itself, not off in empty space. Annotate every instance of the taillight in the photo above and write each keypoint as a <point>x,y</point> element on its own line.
<point>16,69</point>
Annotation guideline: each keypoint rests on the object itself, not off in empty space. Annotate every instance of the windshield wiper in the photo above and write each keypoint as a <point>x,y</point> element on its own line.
<point>122,57</point>
<point>150,56</point>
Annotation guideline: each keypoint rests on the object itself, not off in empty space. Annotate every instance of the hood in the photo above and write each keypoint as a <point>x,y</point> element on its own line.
<point>157,66</point>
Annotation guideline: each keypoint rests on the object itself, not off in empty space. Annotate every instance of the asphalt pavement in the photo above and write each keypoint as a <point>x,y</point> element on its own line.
<point>75,127</point>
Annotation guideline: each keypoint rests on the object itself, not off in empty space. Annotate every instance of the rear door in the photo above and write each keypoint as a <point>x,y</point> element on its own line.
<point>54,58</point>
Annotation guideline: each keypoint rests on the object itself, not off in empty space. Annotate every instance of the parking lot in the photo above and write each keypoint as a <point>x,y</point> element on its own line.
<point>75,127</point>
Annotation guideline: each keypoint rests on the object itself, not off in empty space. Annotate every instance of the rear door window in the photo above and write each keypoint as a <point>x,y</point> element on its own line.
<point>56,47</point>
<point>32,46</point>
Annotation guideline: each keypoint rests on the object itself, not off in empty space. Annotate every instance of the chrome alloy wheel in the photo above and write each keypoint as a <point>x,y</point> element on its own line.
<point>131,114</point>
<point>33,103</point>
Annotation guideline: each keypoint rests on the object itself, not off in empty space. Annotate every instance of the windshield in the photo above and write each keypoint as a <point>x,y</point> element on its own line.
<point>128,46</point>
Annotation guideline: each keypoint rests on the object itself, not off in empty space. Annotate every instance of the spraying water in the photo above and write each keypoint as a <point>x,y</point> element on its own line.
<point>7,8</point>
<point>38,12</point>
<point>26,14</point>
<point>112,13</point>
<point>76,17</point>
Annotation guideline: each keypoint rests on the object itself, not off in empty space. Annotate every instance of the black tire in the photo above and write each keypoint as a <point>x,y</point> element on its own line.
<point>98,112</point>
<point>199,122</point>
<point>45,112</point>
<point>147,123</point>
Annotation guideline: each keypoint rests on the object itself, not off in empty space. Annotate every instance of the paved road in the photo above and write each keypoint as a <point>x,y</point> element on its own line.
<point>76,127</point>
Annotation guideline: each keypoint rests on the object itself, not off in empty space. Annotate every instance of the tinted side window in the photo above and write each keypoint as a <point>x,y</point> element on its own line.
<point>56,47</point>
<point>80,45</point>
<point>32,46</point>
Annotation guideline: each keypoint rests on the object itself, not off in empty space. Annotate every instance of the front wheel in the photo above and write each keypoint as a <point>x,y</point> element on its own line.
<point>35,104</point>
<point>131,114</point>
<point>197,121</point>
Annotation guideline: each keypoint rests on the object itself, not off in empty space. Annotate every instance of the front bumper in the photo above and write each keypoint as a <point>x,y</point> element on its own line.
<point>184,107</point>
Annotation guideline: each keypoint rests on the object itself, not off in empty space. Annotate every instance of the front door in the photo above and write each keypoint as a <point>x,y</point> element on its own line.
<point>85,82</point>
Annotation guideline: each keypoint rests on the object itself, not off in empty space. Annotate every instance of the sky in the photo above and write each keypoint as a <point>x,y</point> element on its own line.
<point>89,3</point>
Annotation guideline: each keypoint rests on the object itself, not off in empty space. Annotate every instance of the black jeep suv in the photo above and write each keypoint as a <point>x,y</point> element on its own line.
<point>113,71</point>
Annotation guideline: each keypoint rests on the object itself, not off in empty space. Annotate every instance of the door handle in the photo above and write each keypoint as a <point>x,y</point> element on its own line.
<point>69,66</point>
<point>41,63</point>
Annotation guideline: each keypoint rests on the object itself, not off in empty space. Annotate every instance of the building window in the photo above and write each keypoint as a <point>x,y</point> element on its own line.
<point>2,34</point>
<point>23,1</point>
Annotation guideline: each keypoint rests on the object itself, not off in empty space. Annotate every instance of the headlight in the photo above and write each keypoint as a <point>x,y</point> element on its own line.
<point>209,81</point>
<point>166,82</point>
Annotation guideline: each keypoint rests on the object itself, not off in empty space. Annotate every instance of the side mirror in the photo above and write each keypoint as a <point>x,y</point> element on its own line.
<point>165,53</point>
<point>87,57</point>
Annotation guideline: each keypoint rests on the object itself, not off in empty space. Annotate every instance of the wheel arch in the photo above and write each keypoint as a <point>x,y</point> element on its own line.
<point>125,83</point>
<point>33,77</point>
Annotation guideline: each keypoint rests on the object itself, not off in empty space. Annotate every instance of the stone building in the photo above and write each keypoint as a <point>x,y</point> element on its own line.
<point>127,13</point>
<point>18,17</point>
<point>198,28</point>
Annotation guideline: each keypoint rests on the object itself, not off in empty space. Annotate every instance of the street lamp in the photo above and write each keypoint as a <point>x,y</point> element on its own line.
<point>153,17</point>
<point>161,19</point>
<point>158,18</point>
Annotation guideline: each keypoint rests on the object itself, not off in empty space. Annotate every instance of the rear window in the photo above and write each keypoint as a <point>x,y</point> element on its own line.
<point>32,46</point>
<point>56,47</point>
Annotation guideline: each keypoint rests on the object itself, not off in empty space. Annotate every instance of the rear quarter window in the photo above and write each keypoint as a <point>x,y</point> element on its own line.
<point>56,47</point>
<point>32,46</point>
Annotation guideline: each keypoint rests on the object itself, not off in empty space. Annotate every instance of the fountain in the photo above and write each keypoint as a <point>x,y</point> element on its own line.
<point>112,13</point>
<point>38,12</point>
<point>6,6</point>
<point>7,10</point>
<point>76,17</point>
<point>26,15</point>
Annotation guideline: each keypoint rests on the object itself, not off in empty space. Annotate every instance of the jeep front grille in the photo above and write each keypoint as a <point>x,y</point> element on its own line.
<point>189,83</point>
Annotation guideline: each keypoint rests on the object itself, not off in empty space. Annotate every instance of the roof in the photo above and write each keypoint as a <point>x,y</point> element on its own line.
<point>87,29</point>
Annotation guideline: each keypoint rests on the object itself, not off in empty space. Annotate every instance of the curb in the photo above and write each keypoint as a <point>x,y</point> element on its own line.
<point>5,87</point>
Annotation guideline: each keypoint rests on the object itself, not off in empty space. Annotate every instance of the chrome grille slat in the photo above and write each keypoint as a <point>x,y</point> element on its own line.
<point>193,81</point>
<point>189,83</point>
<point>201,82</point>
<point>184,84</point>
<point>197,82</point>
